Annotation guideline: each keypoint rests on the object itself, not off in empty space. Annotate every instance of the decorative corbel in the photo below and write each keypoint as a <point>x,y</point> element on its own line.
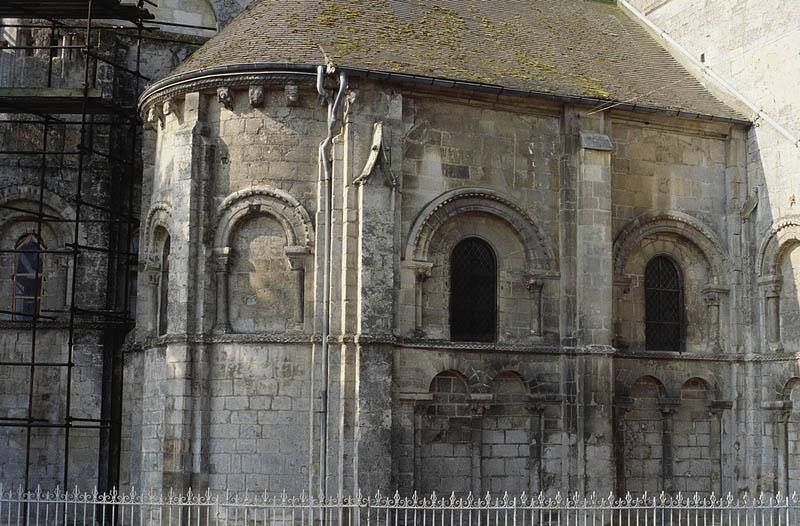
<point>154,118</point>
<point>256,96</point>
<point>297,263</point>
<point>292,93</point>
<point>225,97</point>
<point>167,107</point>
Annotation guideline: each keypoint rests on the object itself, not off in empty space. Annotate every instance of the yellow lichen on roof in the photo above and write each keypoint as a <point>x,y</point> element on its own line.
<point>569,47</point>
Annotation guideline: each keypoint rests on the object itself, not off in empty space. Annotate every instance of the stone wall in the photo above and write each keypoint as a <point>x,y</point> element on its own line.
<point>573,202</point>
<point>745,42</point>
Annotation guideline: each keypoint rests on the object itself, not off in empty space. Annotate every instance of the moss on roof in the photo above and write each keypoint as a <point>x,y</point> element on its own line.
<point>567,47</point>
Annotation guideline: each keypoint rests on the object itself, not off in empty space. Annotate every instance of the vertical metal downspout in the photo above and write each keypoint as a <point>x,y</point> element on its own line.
<point>325,174</point>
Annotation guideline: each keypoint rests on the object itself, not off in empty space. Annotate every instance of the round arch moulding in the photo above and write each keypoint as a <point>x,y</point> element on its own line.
<point>539,251</point>
<point>287,210</point>
<point>780,235</point>
<point>679,224</point>
<point>54,206</point>
<point>159,215</point>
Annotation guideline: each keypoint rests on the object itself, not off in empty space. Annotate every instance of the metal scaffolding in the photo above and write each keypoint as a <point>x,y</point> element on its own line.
<point>94,165</point>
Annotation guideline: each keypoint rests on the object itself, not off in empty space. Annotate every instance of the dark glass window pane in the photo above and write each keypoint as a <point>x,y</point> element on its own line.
<point>28,261</point>
<point>27,277</point>
<point>24,308</point>
<point>663,305</point>
<point>473,292</point>
<point>26,286</point>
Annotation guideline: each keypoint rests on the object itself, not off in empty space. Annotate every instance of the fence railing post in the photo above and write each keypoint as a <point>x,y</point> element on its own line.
<point>116,508</point>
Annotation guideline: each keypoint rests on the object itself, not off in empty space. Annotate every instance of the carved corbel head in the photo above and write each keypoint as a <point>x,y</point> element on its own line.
<point>256,96</point>
<point>225,97</point>
<point>154,118</point>
<point>292,93</point>
<point>168,107</point>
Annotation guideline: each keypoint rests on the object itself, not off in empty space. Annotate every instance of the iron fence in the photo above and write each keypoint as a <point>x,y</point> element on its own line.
<point>112,509</point>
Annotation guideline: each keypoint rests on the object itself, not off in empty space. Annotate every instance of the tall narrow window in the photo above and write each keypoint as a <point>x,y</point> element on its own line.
<point>663,305</point>
<point>27,293</point>
<point>163,293</point>
<point>473,292</point>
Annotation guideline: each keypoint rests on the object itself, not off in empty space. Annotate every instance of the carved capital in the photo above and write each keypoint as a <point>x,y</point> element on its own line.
<point>225,97</point>
<point>168,107</point>
<point>770,286</point>
<point>152,262</point>
<point>717,407</point>
<point>623,404</point>
<point>422,270</point>
<point>222,258</point>
<point>297,257</point>
<point>256,96</point>
<point>667,406</point>
<point>534,284</point>
<point>480,403</point>
<point>712,295</point>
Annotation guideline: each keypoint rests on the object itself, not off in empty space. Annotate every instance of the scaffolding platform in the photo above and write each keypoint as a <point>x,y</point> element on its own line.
<point>73,9</point>
<point>66,146</point>
<point>61,101</point>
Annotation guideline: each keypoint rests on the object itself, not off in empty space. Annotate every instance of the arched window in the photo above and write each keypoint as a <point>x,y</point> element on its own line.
<point>473,292</point>
<point>27,291</point>
<point>163,293</point>
<point>133,275</point>
<point>663,294</point>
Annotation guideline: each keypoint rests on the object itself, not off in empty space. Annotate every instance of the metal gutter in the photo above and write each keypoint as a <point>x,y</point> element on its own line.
<point>277,68</point>
<point>327,187</point>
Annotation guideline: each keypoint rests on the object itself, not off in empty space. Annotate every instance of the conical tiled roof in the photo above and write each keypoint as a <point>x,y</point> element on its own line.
<point>573,48</point>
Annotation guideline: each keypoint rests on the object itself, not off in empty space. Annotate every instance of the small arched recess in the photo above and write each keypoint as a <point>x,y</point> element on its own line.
<point>261,241</point>
<point>778,265</point>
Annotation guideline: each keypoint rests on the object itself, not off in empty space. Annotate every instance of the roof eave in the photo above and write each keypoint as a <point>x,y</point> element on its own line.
<point>189,77</point>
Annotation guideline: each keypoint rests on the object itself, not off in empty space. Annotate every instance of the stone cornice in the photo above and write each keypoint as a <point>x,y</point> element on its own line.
<point>172,87</point>
<point>42,325</point>
<point>401,343</point>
